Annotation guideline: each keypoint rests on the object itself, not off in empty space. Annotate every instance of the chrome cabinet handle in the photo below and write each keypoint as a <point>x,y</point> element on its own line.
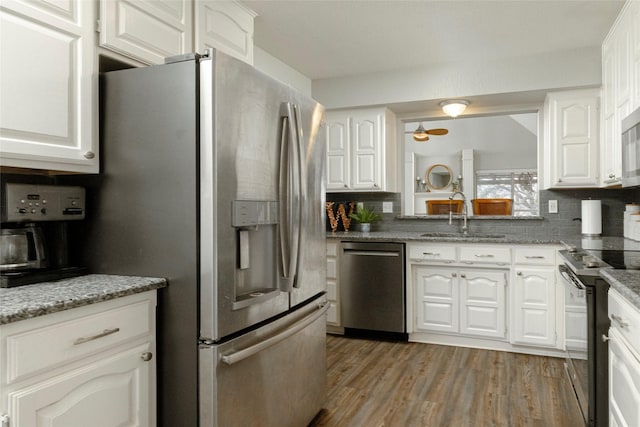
<point>619,321</point>
<point>431,253</point>
<point>346,186</point>
<point>454,275</point>
<point>612,175</point>
<point>605,338</point>
<point>146,356</point>
<point>519,273</point>
<point>464,276</point>
<point>483,256</point>
<point>102,334</point>
<point>89,155</point>
<point>534,257</point>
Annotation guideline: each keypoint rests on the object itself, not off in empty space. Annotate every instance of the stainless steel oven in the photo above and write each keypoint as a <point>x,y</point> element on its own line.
<point>587,367</point>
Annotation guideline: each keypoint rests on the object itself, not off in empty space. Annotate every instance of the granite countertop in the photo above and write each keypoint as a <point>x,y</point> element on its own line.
<point>604,242</point>
<point>409,236</point>
<point>39,299</point>
<point>626,282</point>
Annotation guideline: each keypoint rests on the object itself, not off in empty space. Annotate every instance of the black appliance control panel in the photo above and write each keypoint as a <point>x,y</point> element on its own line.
<point>29,202</point>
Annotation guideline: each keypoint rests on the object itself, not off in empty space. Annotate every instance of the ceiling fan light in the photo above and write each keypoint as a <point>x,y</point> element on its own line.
<point>454,107</point>
<point>420,134</point>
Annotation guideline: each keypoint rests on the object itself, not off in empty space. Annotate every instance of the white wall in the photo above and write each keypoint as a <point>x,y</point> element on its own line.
<point>569,69</point>
<point>279,70</point>
<point>498,142</point>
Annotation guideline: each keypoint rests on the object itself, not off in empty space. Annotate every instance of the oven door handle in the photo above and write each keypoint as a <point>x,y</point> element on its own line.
<point>571,277</point>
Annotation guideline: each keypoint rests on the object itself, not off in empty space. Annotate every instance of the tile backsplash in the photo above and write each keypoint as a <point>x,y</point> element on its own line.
<point>565,223</point>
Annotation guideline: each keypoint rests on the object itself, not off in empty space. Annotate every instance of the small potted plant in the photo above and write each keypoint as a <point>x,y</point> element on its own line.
<point>365,217</point>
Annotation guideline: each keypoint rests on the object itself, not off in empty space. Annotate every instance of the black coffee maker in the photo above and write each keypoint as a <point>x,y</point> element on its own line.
<point>33,232</point>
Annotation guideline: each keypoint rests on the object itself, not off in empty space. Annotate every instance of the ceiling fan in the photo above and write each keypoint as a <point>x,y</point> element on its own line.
<point>421,134</point>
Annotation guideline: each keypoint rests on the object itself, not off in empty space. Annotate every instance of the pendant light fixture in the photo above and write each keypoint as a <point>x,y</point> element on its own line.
<point>454,107</point>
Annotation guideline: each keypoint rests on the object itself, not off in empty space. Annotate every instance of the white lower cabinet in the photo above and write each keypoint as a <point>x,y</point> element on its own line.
<point>465,301</point>
<point>93,365</point>
<point>333,292</point>
<point>503,297</point>
<point>624,362</point>
<point>534,306</point>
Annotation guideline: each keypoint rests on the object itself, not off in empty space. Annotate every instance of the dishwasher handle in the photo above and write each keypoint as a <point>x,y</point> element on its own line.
<point>371,253</point>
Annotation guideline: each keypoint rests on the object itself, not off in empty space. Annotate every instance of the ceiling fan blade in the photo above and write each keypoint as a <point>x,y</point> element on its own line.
<point>437,131</point>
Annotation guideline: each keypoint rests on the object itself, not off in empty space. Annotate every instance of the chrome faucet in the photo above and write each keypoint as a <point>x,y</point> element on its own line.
<point>465,227</point>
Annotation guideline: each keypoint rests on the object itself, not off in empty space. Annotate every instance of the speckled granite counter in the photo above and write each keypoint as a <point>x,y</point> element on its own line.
<point>408,236</point>
<point>626,282</point>
<point>29,301</point>
<point>604,242</point>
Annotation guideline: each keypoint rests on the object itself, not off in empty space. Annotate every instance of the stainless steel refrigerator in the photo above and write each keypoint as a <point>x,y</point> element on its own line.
<point>212,177</point>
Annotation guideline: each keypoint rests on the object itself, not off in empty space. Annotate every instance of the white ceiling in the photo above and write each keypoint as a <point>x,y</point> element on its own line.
<point>325,39</point>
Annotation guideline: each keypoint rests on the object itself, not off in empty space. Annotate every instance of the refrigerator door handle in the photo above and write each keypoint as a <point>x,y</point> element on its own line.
<point>245,353</point>
<point>289,196</point>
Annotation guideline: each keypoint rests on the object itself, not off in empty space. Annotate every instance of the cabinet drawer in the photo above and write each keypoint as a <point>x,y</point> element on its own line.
<point>534,256</point>
<point>42,348</point>
<point>485,254</point>
<point>428,252</point>
<point>625,318</point>
<point>332,249</point>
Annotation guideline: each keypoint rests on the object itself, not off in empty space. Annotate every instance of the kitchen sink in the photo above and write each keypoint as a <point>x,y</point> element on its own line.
<point>469,235</point>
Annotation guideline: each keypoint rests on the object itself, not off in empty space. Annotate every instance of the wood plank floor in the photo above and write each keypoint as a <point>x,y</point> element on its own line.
<point>380,384</point>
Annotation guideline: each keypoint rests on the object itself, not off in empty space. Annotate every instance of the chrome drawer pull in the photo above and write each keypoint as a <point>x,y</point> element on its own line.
<point>619,321</point>
<point>534,257</point>
<point>483,256</point>
<point>95,337</point>
<point>431,253</point>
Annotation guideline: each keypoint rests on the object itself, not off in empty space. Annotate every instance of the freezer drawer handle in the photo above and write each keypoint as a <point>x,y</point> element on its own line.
<point>95,337</point>
<point>239,356</point>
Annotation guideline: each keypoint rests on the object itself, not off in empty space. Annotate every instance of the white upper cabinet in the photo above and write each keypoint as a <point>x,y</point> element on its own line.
<point>48,85</point>
<point>620,87</point>
<point>147,31</point>
<point>571,139</point>
<point>361,150</point>
<point>224,25</point>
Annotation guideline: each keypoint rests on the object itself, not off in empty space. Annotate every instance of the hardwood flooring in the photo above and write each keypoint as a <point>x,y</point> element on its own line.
<point>388,384</point>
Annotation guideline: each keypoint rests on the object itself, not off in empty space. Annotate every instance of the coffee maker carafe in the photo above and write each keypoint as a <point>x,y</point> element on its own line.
<point>22,248</point>
<point>33,232</point>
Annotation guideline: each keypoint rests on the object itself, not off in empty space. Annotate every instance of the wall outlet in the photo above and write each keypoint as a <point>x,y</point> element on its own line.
<point>387,207</point>
<point>553,206</point>
<point>360,205</point>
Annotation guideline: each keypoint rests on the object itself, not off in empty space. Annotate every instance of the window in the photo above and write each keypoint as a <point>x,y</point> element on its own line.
<point>520,186</point>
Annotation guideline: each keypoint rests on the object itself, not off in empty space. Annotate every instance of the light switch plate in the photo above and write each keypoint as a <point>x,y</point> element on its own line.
<point>553,206</point>
<point>387,207</point>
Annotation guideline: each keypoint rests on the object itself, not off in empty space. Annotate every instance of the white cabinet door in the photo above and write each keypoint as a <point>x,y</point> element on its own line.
<point>338,161</point>
<point>367,134</point>
<point>436,299</point>
<point>624,383</point>
<point>575,317</point>
<point>482,303</point>
<point>572,134</point>
<point>148,31</point>
<point>224,25</point>
<point>115,391</point>
<point>48,85</point>
<point>534,306</point>
<point>620,87</point>
<point>361,150</point>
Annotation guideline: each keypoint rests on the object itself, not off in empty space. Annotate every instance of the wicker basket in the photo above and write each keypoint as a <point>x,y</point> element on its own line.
<point>492,206</point>
<point>442,207</point>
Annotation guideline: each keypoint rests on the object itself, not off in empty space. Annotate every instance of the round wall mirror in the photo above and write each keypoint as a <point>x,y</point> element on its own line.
<point>439,177</point>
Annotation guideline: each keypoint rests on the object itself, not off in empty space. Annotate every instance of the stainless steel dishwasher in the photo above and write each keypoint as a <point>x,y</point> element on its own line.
<point>372,289</point>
